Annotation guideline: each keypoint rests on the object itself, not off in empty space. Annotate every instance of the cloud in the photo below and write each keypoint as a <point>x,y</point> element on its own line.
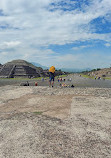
<point>10,44</point>
<point>36,55</point>
<point>26,24</point>
<point>81,47</point>
<point>39,24</point>
<point>108,44</point>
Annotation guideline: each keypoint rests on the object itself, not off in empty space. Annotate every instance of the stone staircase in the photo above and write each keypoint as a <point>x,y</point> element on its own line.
<point>24,71</point>
<point>7,71</point>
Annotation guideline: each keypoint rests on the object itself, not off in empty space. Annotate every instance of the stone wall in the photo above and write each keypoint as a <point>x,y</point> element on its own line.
<point>6,71</point>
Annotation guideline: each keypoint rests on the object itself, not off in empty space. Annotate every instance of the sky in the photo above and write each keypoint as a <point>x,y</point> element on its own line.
<point>63,33</point>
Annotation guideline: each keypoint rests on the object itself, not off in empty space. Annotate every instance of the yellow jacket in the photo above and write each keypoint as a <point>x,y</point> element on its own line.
<point>52,69</point>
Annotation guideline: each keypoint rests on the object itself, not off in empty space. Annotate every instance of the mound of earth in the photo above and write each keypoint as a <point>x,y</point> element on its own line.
<point>106,72</point>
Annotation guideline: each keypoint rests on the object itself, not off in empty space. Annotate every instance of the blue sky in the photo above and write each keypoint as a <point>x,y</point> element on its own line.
<point>63,33</point>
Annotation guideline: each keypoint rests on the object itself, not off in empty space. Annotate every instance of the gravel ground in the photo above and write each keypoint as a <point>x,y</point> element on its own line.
<point>44,122</point>
<point>77,81</point>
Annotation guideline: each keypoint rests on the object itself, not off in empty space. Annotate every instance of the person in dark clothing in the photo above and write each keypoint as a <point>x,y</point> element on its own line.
<point>51,75</point>
<point>51,79</point>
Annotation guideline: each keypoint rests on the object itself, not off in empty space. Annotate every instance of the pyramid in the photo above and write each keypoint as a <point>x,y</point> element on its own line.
<point>19,69</point>
<point>1,66</point>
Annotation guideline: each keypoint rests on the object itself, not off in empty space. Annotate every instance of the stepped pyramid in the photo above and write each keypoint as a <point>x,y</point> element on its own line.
<point>19,68</point>
<point>1,66</point>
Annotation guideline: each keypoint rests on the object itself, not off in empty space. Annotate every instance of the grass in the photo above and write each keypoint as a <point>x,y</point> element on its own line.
<point>61,76</point>
<point>107,78</point>
<point>86,76</point>
<point>38,112</point>
<point>38,78</point>
<point>14,79</point>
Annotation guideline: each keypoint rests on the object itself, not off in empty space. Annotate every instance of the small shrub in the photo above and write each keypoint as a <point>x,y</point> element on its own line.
<point>38,112</point>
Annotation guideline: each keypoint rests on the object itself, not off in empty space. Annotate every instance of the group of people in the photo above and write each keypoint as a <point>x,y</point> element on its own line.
<point>60,79</point>
<point>52,76</point>
<point>51,79</point>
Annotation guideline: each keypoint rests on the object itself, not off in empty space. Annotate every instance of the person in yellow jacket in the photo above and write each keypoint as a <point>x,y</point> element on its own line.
<point>51,75</point>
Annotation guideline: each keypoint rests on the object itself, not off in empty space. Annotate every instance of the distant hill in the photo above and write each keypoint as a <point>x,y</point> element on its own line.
<point>105,72</point>
<point>74,69</point>
<point>63,69</point>
<point>39,65</point>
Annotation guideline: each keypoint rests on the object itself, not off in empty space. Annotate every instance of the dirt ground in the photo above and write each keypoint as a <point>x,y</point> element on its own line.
<point>44,122</point>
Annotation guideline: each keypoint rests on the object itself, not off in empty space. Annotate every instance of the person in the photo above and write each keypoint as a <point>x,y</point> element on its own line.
<point>72,86</point>
<point>35,83</point>
<point>27,83</point>
<point>70,79</point>
<point>61,79</point>
<point>51,76</point>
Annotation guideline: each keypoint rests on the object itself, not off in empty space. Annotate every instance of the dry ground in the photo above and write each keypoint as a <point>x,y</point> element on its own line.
<point>43,122</point>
